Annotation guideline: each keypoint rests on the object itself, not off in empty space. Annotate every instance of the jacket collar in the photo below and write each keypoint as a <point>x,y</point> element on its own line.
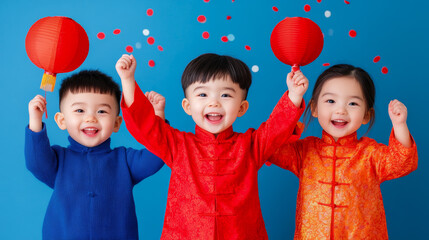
<point>103,147</point>
<point>208,136</point>
<point>342,141</point>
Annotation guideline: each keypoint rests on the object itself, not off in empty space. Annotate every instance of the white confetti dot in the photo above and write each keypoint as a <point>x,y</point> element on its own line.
<point>331,32</point>
<point>327,13</point>
<point>138,45</point>
<point>145,32</point>
<point>231,37</point>
<point>255,68</point>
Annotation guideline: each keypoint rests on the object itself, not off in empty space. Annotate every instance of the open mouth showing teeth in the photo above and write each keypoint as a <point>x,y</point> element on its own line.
<point>339,122</point>
<point>90,131</point>
<point>214,117</point>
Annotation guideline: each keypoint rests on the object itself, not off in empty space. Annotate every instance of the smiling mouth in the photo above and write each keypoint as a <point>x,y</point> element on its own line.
<point>214,117</point>
<point>90,131</point>
<point>339,123</point>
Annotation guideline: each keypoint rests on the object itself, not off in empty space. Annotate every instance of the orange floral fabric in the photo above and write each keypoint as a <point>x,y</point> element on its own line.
<point>339,193</point>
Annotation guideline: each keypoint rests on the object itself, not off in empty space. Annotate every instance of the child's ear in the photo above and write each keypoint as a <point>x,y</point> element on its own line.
<point>368,116</point>
<point>243,108</point>
<point>59,119</point>
<point>117,125</point>
<point>186,106</point>
<point>313,109</point>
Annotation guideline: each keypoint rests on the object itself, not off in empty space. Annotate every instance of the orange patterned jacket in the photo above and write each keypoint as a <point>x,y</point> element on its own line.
<point>339,193</point>
<point>213,192</point>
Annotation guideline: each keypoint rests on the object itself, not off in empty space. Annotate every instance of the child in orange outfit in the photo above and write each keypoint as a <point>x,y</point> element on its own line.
<point>339,175</point>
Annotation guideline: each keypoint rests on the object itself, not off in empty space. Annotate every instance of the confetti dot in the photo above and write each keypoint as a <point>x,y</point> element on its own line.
<point>101,35</point>
<point>138,45</point>
<point>352,33</point>
<point>376,59</point>
<point>202,19</point>
<point>347,2</point>
<point>326,64</point>
<point>384,70</point>
<point>307,8</point>
<point>206,0</point>
<point>331,32</point>
<point>319,1</point>
<point>228,17</point>
<point>150,40</point>
<point>129,49</point>
<point>247,47</point>
<point>224,39</point>
<point>328,14</point>
<point>151,63</point>
<point>231,37</point>
<point>146,32</point>
<point>149,12</point>
<point>275,9</point>
<point>116,31</point>
<point>255,68</point>
<point>206,35</point>
<point>160,48</point>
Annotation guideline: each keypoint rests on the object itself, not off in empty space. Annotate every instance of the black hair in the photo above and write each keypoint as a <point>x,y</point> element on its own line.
<point>343,70</point>
<point>209,66</point>
<point>90,81</point>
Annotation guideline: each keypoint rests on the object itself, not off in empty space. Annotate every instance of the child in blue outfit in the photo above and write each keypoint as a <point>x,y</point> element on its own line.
<point>92,183</point>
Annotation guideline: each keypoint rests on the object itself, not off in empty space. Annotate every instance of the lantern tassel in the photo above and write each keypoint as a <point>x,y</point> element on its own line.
<point>295,67</point>
<point>48,81</point>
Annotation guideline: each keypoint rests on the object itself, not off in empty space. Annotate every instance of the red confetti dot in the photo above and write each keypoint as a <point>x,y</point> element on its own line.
<point>116,31</point>
<point>376,59</point>
<point>326,64</point>
<point>319,1</point>
<point>129,49</point>
<point>224,39</point>
<point>201,19</point>
<point>247,47</point>
<point>384,70</point>
<point>160,48</point>
<point>206,35</point>
<point>151,63</point>
<point>307,8</point>
<point>101,35</point>
<point>275,9</point>
<point>228,17</point>
<point>150,40</point>
<point>347,2</point>
<point>206,0</point>
<point>352,33</point>
<point>149,12</point>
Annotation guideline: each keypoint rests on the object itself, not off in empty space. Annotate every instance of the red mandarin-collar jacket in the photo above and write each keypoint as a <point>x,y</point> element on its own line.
<point>339,193</point>
<point>213,192</point>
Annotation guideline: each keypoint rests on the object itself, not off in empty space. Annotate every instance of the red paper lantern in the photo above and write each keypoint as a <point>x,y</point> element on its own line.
<point>57,45</point>
<point>296,41</point>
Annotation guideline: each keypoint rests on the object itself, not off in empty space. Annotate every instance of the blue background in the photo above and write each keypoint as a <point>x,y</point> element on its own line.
<point>396,31</point>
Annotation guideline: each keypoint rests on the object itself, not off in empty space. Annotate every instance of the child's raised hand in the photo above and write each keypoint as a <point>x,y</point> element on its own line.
<point>397,112</point>
<point>298,85</point>
<point>158,103</point>
<point>126,67</point>
<point>36,108</point>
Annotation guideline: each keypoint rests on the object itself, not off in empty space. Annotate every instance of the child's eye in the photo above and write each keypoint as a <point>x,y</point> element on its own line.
<point>102,111</point>
<point>330,101</point>
<point>202,95</point>
<point>225,95</point>
<point>353,104</point>
<point>79,110</point>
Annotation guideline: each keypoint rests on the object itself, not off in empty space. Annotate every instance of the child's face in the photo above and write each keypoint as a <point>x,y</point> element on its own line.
<point>90,118</point>
<point>216,104</point>
<point>341,107</point>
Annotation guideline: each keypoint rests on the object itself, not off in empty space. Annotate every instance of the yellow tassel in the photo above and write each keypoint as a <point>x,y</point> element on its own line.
<point>48,81</point>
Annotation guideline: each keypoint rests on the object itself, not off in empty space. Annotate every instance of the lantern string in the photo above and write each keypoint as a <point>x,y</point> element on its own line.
<point>46,108</point>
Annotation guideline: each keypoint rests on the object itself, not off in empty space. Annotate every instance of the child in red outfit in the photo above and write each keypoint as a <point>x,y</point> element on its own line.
<point>213,192</point>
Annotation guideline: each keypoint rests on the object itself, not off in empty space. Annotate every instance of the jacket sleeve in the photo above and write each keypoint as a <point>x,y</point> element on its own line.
<point>288,156</point>
<point>40,158</point>
<point>277,130</point>
<point>142,164</point>
<point>147,128</point>
<point>395,160</point>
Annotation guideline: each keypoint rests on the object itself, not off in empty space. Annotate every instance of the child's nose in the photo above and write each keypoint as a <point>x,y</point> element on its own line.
<point>90,118</point>
<point>214,103</point>
<point>341,110</point>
